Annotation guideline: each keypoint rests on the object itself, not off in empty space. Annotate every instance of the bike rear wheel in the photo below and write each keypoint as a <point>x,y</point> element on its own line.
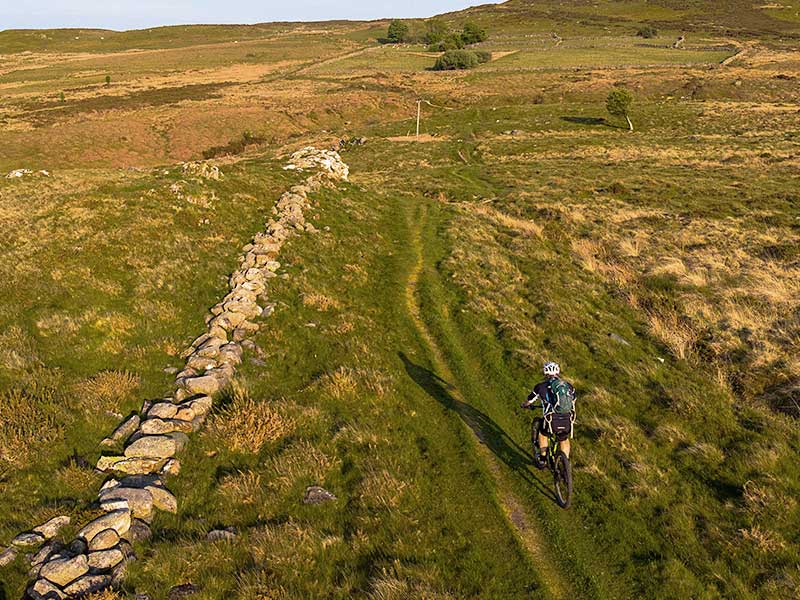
<point>562,475</point>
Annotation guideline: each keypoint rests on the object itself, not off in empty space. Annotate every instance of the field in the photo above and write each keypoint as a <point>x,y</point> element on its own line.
<point>659,267</point>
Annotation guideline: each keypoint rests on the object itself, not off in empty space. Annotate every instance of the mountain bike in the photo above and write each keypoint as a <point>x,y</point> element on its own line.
<point>557,461</point>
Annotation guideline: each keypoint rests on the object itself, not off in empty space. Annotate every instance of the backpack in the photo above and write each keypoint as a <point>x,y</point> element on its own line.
<point>561,396</point>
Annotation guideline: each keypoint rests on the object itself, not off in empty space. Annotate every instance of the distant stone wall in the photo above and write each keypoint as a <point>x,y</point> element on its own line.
<point>154,438</point>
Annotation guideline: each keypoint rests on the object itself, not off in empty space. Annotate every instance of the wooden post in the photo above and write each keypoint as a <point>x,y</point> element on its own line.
<point>419,110</point>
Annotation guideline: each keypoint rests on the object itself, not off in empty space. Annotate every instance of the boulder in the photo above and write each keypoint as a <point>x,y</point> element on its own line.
<point>118,520</point>
<point>131,466</point>
<point>171,467</point>
<point>157,446</point>
<point>44,590</point>
<point>104,560</point>
<point>108,538</point>
<point>87,585</point>
<point>163,499</point>
<point>161,426</point>
<point>124,431</point>
<point>162,410</point>
<point>46,552</point>
<point>27,540</point>
<point>217,535</point>
<point>140,501</point>
<point>8,556</point>
<point>317,495</point>
<point>206,385</point>
<point>139,532</point>
<point>51,528</point>
<point>64,571</point>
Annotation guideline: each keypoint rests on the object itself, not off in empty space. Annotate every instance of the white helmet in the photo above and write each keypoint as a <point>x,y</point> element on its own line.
<point>551,369</point>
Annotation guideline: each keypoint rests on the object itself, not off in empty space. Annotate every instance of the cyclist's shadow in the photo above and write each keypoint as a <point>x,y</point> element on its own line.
<point>486,430</point>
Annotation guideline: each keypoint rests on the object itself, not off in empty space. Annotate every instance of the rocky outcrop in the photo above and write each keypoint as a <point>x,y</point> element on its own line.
<point>155,437</point>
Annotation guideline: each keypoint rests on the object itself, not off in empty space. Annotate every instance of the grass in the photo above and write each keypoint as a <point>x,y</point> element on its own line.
<point>659,267</point>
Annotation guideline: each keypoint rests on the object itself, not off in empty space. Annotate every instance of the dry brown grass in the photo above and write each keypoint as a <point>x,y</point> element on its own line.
<point>320,302</point>
<point>347,381</point>
<point>242,487</point>
<point>27,421</point>
<point>300,461</point>
<point>105,595</point>
<point>106,390</point>
<point>765,540</point>
<point>247,425</point>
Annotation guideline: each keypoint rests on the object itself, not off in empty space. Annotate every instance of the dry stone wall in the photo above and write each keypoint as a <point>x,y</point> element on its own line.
<point>153,439</point>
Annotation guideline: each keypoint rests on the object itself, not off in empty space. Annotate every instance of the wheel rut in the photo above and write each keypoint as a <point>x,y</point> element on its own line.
<point>516,516</point>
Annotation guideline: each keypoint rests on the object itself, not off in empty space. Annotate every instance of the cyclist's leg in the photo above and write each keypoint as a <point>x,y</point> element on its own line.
<point>564,447</point>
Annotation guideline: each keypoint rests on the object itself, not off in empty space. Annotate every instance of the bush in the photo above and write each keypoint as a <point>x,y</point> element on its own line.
<point>473,33</point>
<point>484,56</point>
<point>456,60</point>
<point>619,103</point>
<point>452,41</point>
<point>398,32</point>
<point>647,32</point>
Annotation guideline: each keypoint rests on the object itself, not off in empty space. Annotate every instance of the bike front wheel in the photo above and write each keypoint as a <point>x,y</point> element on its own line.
<point>562,474</point>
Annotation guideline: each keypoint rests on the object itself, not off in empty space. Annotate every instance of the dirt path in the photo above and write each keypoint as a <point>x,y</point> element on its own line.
<point>518,518</point>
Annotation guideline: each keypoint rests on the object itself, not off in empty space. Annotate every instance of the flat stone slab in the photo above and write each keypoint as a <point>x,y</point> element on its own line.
<point>157,446</point>
<point>118,520</point>
<point>64,571</point>
<point>51,528</point>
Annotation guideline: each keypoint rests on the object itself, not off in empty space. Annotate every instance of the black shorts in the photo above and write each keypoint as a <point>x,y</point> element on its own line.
<point>559,424</point>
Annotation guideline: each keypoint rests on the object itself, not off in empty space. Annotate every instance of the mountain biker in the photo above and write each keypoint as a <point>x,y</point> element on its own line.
<point>557,397</point>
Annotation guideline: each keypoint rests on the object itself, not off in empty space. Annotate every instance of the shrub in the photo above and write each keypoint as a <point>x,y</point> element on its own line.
<point>484,56</point>
<point>647,32</point>
<point>398,32</point>
<point>437,32</point>
<point>456,60</point>
<point>473,33</point>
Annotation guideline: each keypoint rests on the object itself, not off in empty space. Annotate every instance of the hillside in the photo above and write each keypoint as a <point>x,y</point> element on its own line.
<point>365,324</point>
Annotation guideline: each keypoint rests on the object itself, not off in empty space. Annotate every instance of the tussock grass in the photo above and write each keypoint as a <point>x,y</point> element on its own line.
<point>246,425</point>
<point>106,391</point>
<point>29,420</point>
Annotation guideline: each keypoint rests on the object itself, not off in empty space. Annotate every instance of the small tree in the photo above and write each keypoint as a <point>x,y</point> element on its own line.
<point>62,97</point>
<point>108,80</point>
<point>398,32</point>
<point>473,33</point>
<point>619,103</point>
<point>647,32</point>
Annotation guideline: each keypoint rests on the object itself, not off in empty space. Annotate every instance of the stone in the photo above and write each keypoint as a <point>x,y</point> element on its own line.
<point>44,590</point>
<point>138,532</point>
<point>87,585</point>
<point>161,426</point>
<point>317,495</point>
<point>157,446</point>
<point>108,538</point>
<point>619,339</point>
<point>104,560</point>
<point>8,556</point>
<point>163,499</point>
<point>182,591</point>
<point>217,535</point>
<point>51,528</point>
<point>77,546</point>
<point>162,410</point>
<point>28,539</point>
<point>46,552</point>
<point>206,385</point>
<point>125,430</point>
<point>132,466</point>
<point>112,504</point>
<point>118,520</point>
<point>140,501</point>
<point>64,571</point>
<point>171,467</point>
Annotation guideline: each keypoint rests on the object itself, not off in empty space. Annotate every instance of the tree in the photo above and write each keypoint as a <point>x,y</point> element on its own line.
<point>473,33</point>
<point>108,80</point>
<point>619,103</point>
<point>398,32</point>
<point>437,31</point>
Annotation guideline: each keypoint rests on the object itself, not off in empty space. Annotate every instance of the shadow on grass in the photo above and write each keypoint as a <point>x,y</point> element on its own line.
<point>589,121</point>
<point>486,430</point>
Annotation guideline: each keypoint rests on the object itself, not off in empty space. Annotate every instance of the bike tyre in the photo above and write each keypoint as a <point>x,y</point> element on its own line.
<point>535,435</point>
<point>562,476</point>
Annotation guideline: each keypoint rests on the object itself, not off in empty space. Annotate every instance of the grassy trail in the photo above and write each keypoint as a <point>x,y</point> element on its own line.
<point>518,518</point>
